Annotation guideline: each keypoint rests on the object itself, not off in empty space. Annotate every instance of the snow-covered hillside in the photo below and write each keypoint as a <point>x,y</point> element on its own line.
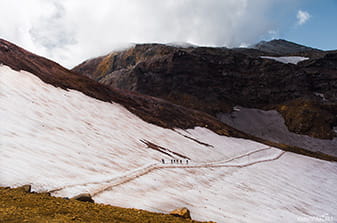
<point>68,143</point>
<point>289,59</point>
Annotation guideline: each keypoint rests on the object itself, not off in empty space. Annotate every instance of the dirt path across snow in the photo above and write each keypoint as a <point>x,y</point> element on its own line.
<point>133,174</point>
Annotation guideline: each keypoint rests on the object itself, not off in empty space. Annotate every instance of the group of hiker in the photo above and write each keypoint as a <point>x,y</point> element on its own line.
<point>174,161</point>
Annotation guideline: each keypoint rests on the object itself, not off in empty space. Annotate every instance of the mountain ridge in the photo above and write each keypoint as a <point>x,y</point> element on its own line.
<point>214,80</point>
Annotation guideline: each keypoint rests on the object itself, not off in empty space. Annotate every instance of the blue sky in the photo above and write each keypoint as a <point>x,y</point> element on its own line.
<point>70,31</point>
<point>319,31</point>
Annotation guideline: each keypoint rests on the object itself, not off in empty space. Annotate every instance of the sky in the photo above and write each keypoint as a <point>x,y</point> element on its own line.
<point>71,31</point>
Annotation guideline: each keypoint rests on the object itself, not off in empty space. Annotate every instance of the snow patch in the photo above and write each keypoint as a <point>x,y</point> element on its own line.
<point>289,59</point>
<point>321,95</point>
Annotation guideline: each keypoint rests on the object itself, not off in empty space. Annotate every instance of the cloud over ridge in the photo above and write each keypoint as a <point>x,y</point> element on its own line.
<point>70,31</point>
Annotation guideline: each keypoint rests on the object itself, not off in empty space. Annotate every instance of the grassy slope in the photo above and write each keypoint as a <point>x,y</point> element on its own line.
<point>19,206</point>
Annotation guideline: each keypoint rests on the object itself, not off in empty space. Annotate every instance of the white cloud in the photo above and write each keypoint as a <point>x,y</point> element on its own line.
<point>70,31</point>
<point>302,17</point>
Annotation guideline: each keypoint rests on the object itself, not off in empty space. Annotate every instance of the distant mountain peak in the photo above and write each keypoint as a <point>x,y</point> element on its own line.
<point>283,47</point>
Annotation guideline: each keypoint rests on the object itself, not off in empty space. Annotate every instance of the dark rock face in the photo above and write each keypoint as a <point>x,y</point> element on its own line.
<point>213,80</point>
<point>208,79</point>
<point>322,75</point>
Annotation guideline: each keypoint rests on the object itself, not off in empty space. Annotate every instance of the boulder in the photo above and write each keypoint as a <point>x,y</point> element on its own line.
<point>181,212</point>
<point>85,197</point>
<point>26,188</point>
<point>46,193</point>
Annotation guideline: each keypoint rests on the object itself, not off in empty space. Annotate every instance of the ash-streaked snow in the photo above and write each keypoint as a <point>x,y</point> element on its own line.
<point>67,142</point>
<point>289,59</point>
<point>270,125</point>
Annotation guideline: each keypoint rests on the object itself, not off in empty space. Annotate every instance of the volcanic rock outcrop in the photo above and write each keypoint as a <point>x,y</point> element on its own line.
<point>213,80</point>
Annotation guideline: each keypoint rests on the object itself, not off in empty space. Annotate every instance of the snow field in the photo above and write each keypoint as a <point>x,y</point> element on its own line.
<point>52,138</point>
<point>283,190</point>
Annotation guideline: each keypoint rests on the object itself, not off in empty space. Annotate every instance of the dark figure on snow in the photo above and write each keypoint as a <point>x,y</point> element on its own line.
<point>162,160</point>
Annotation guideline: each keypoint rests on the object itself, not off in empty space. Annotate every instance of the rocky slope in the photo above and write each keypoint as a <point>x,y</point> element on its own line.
<point>198,77</point>
<point>213,80</point>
